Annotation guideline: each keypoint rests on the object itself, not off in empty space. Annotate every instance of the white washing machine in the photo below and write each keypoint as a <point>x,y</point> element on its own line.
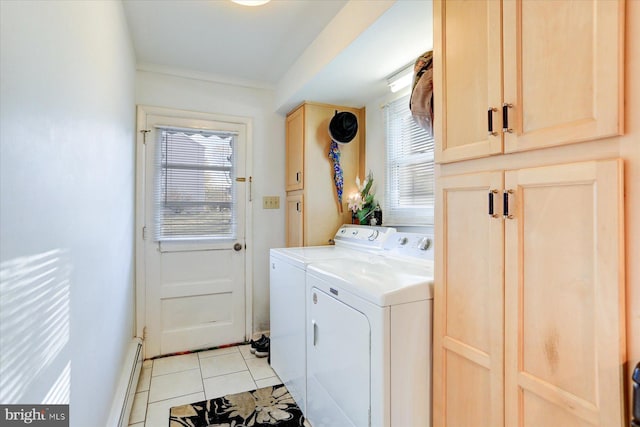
<point>287,298</point>
<point>369,329</point>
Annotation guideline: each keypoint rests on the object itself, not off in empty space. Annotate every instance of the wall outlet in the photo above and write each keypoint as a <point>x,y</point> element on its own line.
<point>271,202</point>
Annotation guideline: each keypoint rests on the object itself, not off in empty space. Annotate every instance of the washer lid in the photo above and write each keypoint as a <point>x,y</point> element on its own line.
<point>304,255</point>
<point>380,280</point>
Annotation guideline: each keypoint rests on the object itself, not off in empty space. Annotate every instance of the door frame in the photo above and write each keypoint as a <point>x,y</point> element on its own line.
<point>140,267</point>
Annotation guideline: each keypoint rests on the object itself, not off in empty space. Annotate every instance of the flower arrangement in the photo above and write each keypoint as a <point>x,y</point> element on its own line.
<point>363,203</point>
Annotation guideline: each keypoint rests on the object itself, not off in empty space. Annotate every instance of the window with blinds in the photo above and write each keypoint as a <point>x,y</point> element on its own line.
<point>409,188</point>
<point>195,188</point>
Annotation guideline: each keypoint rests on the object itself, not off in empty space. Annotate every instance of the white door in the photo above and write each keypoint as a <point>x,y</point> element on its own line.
<point>194,233</point>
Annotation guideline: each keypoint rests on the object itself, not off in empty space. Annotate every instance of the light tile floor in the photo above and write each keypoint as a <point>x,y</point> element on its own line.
<point>189,378</point>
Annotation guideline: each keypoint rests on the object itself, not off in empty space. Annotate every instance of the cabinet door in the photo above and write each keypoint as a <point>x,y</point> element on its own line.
<point>295,150</point>
<point>468,303</point>
<point>294,220</point>
<point>467,78</point>
<point>565,341</point>
<point>563,63</point>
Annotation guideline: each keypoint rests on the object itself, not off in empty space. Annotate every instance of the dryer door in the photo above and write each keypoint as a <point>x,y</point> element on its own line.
<point>338,363</point>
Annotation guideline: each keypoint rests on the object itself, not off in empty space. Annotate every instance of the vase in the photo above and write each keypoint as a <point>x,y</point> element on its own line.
<point>377,214</point>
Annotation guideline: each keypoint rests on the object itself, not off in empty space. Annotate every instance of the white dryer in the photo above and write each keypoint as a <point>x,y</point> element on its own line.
<point>287,297</point>
<point>369,337</point>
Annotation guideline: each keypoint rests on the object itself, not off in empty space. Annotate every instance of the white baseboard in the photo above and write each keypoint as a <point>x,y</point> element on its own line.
<point>127,384</point>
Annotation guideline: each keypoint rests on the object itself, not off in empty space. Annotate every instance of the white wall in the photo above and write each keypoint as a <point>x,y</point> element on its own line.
<point>163,90</point>
<point>66,203</point>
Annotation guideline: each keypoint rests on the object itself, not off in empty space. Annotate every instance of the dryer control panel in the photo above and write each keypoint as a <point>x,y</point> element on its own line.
<point>409,245</point>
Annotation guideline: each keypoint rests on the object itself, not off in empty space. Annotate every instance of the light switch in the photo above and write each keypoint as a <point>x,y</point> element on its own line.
<point>271,202</point>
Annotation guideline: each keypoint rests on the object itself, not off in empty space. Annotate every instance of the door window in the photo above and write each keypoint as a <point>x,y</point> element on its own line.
<point>195,185</point>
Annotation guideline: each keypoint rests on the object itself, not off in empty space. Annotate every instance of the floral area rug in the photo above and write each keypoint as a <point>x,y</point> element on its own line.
<point>264,407</point>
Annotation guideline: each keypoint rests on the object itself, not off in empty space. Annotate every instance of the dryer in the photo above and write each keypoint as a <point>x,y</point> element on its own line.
<point>287,297</point>
<point>369,329</point>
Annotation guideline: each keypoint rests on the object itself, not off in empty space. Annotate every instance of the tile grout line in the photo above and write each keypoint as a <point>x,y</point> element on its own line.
<point>204,391</point>
<point>248,370</point>
<point>146,406</point>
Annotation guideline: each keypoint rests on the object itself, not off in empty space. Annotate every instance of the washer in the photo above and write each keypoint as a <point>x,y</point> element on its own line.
<point>369,329</point>
<point>287,298</point>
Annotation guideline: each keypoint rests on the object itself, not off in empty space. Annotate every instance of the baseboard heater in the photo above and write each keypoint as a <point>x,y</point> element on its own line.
<point>127,385</point>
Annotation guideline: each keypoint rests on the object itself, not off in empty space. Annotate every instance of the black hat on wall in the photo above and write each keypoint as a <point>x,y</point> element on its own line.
<point>343,127</point>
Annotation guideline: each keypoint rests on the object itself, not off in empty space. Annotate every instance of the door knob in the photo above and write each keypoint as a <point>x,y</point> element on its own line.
<point>237,247</point>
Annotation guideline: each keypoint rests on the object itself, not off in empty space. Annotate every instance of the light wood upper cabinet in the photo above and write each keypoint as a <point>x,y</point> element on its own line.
<point>310,173</point>
<point>529,307</point>
<point>554,67</point>
<point>468,72</point>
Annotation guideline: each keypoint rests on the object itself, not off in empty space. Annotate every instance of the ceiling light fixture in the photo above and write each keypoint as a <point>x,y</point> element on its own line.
<point>400,79</point>
<point>251,2</point>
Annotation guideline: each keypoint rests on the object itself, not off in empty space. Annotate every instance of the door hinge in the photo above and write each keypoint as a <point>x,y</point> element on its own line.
<point>144,333</point>
<point>144,233</point>
<point>144,135</point>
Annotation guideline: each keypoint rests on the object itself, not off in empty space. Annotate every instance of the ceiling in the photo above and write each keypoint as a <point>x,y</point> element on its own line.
<point>257,46</point>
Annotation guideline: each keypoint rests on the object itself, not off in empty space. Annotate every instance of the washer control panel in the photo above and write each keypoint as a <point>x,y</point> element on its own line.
<point>363,235</point>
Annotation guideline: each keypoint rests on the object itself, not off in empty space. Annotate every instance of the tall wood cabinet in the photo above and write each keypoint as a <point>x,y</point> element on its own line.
<point>529,314</point>
<point>312,214</point>
<point>529,262</point>
<point>519,75</point>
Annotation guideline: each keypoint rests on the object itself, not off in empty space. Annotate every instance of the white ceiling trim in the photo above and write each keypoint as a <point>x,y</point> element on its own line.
<point>200,75</point>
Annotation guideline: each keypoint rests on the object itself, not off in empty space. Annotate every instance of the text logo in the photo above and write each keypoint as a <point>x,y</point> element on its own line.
<point>37,415</point>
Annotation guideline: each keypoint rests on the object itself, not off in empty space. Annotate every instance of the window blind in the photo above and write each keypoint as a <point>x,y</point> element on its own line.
<point>195,188</point>
<point>409,183</point>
